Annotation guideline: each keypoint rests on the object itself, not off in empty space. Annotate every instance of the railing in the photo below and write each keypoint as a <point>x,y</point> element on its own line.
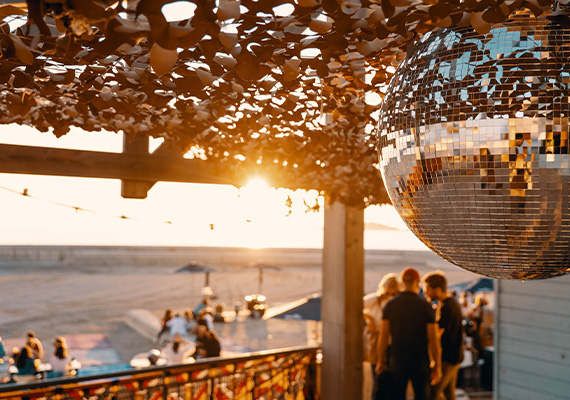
<point>276,374</point>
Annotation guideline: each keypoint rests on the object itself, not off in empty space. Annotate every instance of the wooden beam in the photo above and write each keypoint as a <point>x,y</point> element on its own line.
<point>343,289</point>
<point>164,164</point>
<point>17,159</point>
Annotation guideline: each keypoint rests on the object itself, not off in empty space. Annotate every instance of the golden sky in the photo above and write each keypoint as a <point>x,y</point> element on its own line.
<point>200,215</point>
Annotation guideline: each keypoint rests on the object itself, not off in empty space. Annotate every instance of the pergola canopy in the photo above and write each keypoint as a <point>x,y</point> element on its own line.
<point>289,87</point>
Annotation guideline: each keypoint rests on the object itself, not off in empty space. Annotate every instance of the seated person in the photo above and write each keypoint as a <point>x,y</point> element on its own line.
<point>178,350</point>
<point>205,318</point>
<point>207,343</point>
<point>36,345</point>
<point>205,303</point>
<point>218,315</point>
<point>24,361</point>
<point>177,326</point>
<point>2,351</point>
<point>60,360</point>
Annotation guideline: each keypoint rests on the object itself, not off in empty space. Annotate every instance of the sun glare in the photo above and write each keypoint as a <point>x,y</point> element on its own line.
<point>256,185</point>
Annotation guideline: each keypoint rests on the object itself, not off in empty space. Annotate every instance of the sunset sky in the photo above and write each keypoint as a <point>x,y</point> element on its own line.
<point>200,215</point>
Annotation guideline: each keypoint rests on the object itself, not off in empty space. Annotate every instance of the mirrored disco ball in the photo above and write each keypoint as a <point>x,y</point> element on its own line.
<point>473,143</point>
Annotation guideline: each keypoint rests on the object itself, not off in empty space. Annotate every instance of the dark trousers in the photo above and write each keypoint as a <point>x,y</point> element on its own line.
<point>420,383</point>
<point>381,385</point>
<point>448,382</point>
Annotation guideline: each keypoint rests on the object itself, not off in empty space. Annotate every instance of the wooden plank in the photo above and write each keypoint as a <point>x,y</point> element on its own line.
<point>536,351</point>
<point>526,302</point>
<point>343,289</point>
<point>536,319</point>
<point>512,391</point>
<point>535,335</point>
<point>517,392</point>
<point>510,362</point>
<point>553,288</point>
<point>553,387</point>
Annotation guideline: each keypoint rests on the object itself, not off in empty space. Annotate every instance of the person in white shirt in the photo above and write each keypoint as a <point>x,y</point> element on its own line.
<point>388,287</point>
<point>177,326</point>
<point>60,359</point>
<point>178,350</point>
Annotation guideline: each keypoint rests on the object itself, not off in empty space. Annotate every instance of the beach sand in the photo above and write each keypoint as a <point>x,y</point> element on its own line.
<point>92,295</point>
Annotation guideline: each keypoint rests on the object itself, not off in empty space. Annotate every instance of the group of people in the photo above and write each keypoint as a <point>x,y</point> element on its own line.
<point>30,357</point>
<point>199,324</point>
<point>477,320</point>
<point>412,338</point>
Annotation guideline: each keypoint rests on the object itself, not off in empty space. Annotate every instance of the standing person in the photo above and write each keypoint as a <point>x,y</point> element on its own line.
<point>451,332</point>
<point>35,345</point>
<point>388,287</point>
<point>164,328</point>
<point>409,321</point>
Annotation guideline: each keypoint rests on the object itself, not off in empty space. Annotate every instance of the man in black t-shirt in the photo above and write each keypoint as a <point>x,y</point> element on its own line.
<point>449,319</point>
<point>409,321</point>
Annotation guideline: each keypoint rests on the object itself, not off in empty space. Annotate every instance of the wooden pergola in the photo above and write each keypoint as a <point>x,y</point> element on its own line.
<point>343,248</point>
<point>272,88</point>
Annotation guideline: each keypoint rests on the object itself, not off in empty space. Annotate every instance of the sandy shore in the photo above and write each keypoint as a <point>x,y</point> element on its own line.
<point>94,297</point>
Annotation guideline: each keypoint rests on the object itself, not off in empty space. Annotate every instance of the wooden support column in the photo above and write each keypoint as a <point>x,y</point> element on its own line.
<point>343,289</point>
<point>131,189</point>
<point>139,146</point>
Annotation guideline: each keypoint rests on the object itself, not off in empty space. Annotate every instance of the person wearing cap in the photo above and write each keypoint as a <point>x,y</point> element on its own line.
<point>450,321</point>
<point>388,287</point>
<point>408,320</point>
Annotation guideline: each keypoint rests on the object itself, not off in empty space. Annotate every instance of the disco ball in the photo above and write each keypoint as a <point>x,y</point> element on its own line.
<point>473,145</point>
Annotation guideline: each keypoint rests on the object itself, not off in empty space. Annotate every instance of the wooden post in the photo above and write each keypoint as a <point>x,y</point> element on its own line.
<point>131,189</point>
<point>343,289</point>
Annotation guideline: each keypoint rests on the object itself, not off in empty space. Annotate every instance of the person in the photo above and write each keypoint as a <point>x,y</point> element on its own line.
<point>60,360</point>
<point>190,321</point>
<point>219,313</point>
<point>24,361</point>
<point>450,321</point>
<point>205,318</point>
<point>203,304</point>
<point>36,345</point>
<point>2,351</point>
<point>178,350</point>
<point>388,287</point>
<point>478,322</point>
<point>409,321</point>
<point>207,343</point>
<point>177,326</point>
<point>164,328</point>
<point>465,305</point>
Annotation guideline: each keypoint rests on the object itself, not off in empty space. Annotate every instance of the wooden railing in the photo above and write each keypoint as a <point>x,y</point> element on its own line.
<point>291,373</point>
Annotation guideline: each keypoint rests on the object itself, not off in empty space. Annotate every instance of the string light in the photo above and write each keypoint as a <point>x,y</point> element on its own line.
<point>26,193</point>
